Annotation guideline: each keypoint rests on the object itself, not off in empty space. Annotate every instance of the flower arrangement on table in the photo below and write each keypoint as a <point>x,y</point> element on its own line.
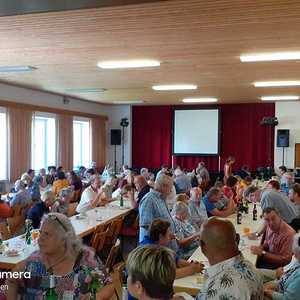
<point>90,281</point>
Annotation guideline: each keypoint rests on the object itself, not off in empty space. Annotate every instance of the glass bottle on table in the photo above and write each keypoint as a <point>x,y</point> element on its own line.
<point>239,214</point>
<point>51,293</point>
<point>121,200</point>
<point>254,212</point>
<point>28,228</point>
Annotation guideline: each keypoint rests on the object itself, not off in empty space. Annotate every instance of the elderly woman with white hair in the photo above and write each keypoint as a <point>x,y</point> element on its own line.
<point>186,234</point>
<point>288,286</point>
<point>63,257</point>
<point>21,196</point>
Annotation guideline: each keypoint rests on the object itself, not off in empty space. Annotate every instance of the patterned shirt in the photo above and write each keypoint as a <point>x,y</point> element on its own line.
<point>151,207</point>
<point>184,229</point>
<point>232,279</point>
<point>74,282</point>
<point>289,284</point>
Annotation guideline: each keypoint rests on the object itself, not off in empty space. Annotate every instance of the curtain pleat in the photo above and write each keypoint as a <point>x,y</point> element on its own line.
<point>20,131</point>
<point>65,141</point>
<point>98,141</point>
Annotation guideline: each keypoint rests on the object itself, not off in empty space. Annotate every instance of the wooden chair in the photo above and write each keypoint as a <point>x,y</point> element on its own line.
<point>113,232</point>
<point>72,209</point>
<point>4,229</point>
<point>112,256</point>
<point>117,278</point>
<point>16,222</point>
<point>98,240</point>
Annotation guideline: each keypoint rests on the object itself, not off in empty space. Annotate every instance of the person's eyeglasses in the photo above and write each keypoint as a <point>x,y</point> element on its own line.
<point>56,218</point>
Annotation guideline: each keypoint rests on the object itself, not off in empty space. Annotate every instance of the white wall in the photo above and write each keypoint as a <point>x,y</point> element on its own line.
<point>27,96</point>
<point>114,113</point>
<point>288,118</point>
<point>117,113</point>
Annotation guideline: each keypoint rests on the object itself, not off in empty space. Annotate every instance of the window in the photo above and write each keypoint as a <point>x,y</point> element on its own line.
<point>43,140</point>
<point>3,147</point>
<point>81,142</point>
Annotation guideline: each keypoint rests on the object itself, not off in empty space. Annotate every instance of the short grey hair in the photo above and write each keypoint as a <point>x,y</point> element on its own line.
<point>250,190</point>
<point>212,192</point>
<point>94,177</point>
<point>179,208</point>
<point>64,230</point>
<point>162,180</point>
<point>144,170</point>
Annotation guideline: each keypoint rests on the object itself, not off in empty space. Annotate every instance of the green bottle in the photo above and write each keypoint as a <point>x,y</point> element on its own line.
<point>121,201</point>
<point>51,293</point>
<point>28,228</point>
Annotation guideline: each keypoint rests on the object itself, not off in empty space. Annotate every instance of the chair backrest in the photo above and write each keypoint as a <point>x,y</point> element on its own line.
<point>112,256</point>
<point>116,276</point>
<point>99,228</point>
<point>98,240</point>
<point>5,232</point>
<point>114,230</point>
<point>16,222</point>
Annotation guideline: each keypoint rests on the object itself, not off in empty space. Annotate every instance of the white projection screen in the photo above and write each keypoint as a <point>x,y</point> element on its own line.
<point>196,132</point>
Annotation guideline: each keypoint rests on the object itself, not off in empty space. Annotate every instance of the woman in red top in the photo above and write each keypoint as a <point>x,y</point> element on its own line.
<point>229,189</point>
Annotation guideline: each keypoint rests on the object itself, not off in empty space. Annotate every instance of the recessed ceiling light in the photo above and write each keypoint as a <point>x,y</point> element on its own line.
<point>199,100</point>
<point>17,69</point>
<point>128,102</point>
<point>174,87</point>
<point>85,90</point>
<point>270,56</point>
<point>278,98</point>
<point>122,64</point>
<point>276,83</point>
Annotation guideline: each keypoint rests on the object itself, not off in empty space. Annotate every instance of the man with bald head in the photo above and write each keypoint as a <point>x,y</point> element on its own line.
<point>230,276</point>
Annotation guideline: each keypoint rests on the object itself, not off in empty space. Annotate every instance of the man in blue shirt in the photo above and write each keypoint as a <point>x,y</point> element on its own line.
<point>36,213</point>
<point>210,200</point>
<point>153,206</point>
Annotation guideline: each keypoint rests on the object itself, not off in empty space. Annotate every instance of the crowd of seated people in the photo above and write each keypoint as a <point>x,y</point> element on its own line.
<point>177,209</point>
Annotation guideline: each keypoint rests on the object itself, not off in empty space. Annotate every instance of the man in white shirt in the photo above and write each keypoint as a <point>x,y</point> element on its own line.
<point>92,196</point>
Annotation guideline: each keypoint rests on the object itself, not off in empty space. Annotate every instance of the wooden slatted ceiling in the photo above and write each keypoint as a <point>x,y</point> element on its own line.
<point>197,41</point>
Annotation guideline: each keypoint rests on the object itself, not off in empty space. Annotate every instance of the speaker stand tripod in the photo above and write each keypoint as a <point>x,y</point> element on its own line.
<point>283,156</point>
<point>115,158</point>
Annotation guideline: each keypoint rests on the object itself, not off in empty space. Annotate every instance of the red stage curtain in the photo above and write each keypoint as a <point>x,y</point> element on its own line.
<point>242,136</point>
<point>151,136</point>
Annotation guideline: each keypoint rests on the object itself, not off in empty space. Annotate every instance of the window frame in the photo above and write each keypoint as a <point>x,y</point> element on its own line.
<point>80,120</point>
<point>45,116</point>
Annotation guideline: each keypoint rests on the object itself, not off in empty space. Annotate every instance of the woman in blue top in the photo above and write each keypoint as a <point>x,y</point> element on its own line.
<point>160,234</point>
<point>288,287</point>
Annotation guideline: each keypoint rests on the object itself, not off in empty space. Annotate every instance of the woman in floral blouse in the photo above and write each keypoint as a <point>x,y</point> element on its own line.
<point>186,235</point>
<point>61,254</point>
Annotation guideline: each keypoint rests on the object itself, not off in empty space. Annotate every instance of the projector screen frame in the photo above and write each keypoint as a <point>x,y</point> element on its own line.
<point>219,132</point>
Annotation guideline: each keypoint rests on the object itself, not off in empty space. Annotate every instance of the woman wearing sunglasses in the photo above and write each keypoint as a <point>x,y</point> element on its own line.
<point>62,255</point>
